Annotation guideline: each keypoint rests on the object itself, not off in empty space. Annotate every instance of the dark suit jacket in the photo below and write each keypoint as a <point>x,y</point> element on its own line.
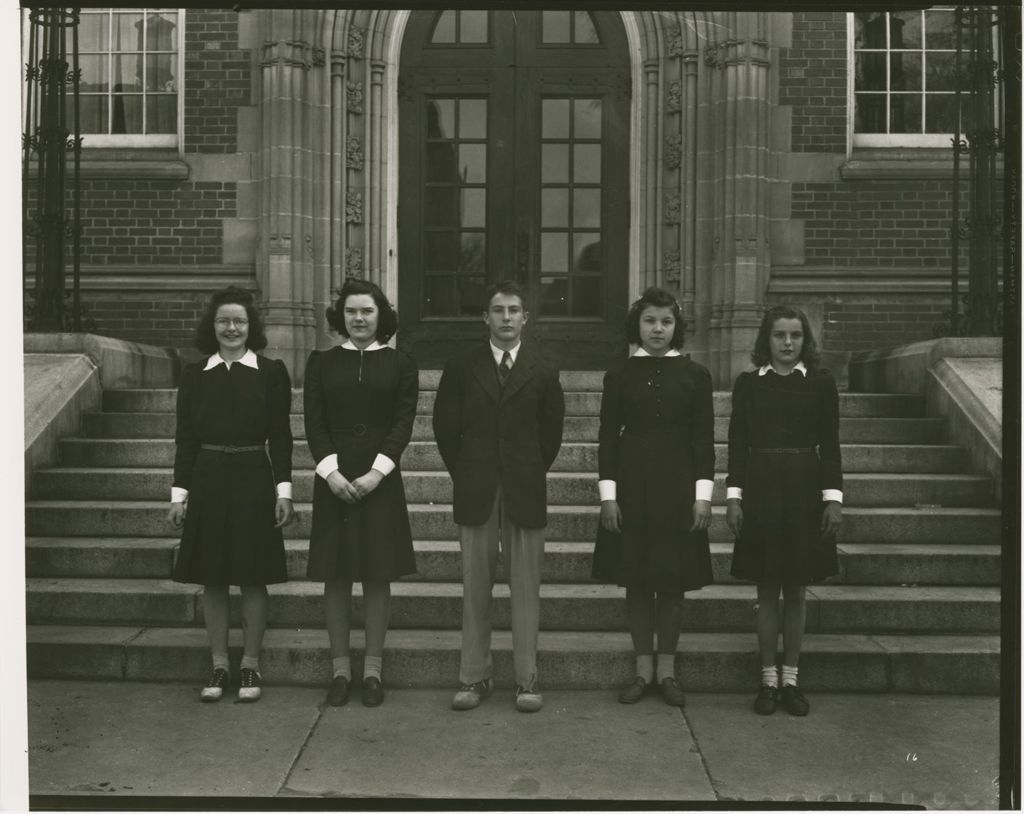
<point>487,436</point>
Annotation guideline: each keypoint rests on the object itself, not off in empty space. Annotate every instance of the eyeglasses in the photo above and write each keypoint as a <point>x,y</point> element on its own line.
<point>221,322</point>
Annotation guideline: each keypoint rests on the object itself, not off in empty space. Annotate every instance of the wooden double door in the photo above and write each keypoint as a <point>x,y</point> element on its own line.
<point>514,164</point>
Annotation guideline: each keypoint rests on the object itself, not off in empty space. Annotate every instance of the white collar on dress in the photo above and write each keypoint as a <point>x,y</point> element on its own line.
<point>374,345</point>
<point>670,352</point>
<point>798,366</point>
<point>497,352</point>
<point>249,360</point>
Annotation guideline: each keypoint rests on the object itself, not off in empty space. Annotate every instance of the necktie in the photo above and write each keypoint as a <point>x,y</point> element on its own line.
<point>505,367</point>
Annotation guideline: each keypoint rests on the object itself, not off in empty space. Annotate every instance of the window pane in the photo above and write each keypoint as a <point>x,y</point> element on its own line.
<point>586,208</point>
<point>441,118</point>
<point>160,73</point>
<point>554,207</point>
<point>473,257</point>
<point>555,26</point>
<point>586,296</point>
<point>93,32</point>
<point>160,33</point>
<point>869,29</point>
<point>869,113</point>
<point>939,29</point>
<point>439,207</point>
<point>473,26</point>
<point>586,164</point>
<point>554,167</point>
<point>586,250</point>
<point>439,254</point>
<point>904,71</point>
<point>554,118</point>
<point>127,73</point>
<point>588,118</point>
<point>127,32</point>
<point>92,112</point>
<point>554,296</point>
<point>940,113</point>
<point>439,296</point>
<point>162,114</point>
<point>939,71</point>
<point>905,29</point>
<point>554,251</point>
<point>441,162</point>
<point>905,113</point>
<point>474,207</point>
<point>471,296</point>
<point>94,73</point>
<point>444,30</point>
<point>127,114</point>
<point>473,163</point>
<point>585,31</point>
<point>472,118</point>
<point>870,71</point>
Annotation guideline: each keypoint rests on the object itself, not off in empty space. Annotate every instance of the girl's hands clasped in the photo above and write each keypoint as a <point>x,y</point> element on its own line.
<point>341,487</point>
<point>365,484</point>
<point>831,518</point>
<point>701,515</point>
<point>611,515</point>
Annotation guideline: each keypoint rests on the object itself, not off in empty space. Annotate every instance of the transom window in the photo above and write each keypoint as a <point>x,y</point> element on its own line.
<point>568,27</point>
<point>461,28</point>
<point>903,68</point>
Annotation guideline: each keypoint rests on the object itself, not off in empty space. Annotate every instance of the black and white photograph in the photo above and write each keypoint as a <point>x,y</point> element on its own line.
<point>507,407</point>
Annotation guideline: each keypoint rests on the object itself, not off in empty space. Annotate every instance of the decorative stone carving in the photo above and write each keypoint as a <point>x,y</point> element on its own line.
<point>713,56</point>
<point>674,101</point>
<point>319,57</point>
<point>673,206</point>
<point>675,42</point>
<point>354,262</point>
<point>354,207</point>
<point>354,97</point>
<point>356,38</point>
<point>670,269</point>
<point>354,153</point>
<point>674,151</point>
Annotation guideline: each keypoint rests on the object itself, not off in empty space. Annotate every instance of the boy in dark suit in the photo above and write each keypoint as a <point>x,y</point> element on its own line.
<point>498,425</point>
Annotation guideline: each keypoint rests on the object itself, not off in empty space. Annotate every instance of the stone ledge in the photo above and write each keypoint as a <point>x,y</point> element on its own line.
<point>120,363</point>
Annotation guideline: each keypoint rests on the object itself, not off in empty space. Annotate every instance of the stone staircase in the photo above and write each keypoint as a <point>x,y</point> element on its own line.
<point>915,607</point>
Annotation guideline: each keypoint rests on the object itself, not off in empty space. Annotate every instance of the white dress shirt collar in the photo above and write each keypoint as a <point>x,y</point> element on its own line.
<point>249,360</point>
<point>798,366</point>
<point>670,352</point>
<point>497,352</point>
<point>374,345</point>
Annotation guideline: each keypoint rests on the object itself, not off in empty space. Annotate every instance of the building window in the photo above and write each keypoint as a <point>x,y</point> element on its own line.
<point>130,89</point>
<point>903,77</point>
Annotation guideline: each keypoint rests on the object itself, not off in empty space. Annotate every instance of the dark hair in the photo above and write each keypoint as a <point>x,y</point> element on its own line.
<point>206,338</point>
<point>762,354</point>
<point>510,288</point>
<point>657,298</point>
<point>387,317</point>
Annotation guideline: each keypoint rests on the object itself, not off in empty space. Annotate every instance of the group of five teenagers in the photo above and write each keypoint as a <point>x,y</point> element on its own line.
<point>498,419</point>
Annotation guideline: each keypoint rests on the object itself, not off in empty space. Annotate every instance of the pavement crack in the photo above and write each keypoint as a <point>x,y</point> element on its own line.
<point>700,755</point>
<point>284,787</point>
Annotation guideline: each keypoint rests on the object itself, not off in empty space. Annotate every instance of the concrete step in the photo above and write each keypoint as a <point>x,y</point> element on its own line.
<point>576,428</point>
<point>422,456</point>
<point>712,662</point>
<point>578,402</point>
<point>429,605</point>
<point>564,488</point>
<point>440,561</point>
<point>63,518</point>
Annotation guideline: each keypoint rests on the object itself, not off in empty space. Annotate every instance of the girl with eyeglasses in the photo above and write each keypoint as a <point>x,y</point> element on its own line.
<point>231,498</point>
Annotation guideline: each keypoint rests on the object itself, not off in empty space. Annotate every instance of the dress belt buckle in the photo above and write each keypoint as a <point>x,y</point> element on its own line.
<point>359,430</point>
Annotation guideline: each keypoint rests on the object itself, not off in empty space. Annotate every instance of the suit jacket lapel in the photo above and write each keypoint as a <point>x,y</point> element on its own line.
<point>486,372</point>
<point>521,371</point>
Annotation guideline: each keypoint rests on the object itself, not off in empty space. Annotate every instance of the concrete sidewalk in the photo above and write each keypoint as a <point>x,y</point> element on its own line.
<point>130,739</point>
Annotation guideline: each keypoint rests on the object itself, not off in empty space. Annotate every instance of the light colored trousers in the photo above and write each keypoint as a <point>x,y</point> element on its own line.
<point>524,550</point>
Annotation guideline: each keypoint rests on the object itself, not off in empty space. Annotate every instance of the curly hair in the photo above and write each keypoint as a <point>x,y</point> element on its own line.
<point>206,337</point>
<point>762,354</point>
<point>387,317</point>
<point>657,298</point>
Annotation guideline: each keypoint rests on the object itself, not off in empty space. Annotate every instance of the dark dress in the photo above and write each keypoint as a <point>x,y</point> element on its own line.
<point>229,536</point>
<point>656,440</point>
<point>780,540</point>
<point>359,404</point>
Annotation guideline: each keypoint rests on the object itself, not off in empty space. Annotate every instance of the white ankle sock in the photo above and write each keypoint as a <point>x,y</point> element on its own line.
<point>769,676</point>
<point>645,667</point>
<point>220,662</point>
<point>372,665</point>
<point>788,675</point>
<point>666,666</point>
<point>250,663</point>
<point>342,666</point>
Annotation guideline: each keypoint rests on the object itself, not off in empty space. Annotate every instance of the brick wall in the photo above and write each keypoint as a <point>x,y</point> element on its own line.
<point>870,326</point>
<point>812,81</point>
<point>218,80</point>
<point>156,318</point>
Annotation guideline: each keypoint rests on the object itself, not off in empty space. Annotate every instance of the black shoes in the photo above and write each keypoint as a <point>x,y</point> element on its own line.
<point>373,692</point>
<point>767,699</point>
<point>249,688</point>
<point>794,702</point>
<point>337,693</point>
<point>672,692</point>
<point>214,689</point>
<point>633,691</point>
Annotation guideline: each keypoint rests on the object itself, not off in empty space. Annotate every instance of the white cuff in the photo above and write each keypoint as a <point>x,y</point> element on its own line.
<point>832,494</point>
<point>178,495</point>
<point>284,489</point>
<point>734,492</point>
<point>606,490</point>
<point>383,464</point>
<point>704,489</point>
<point>327,465</point>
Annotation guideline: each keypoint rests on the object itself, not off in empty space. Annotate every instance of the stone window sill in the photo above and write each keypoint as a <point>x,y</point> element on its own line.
<point>119,165</point>
<point>902,163</point>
